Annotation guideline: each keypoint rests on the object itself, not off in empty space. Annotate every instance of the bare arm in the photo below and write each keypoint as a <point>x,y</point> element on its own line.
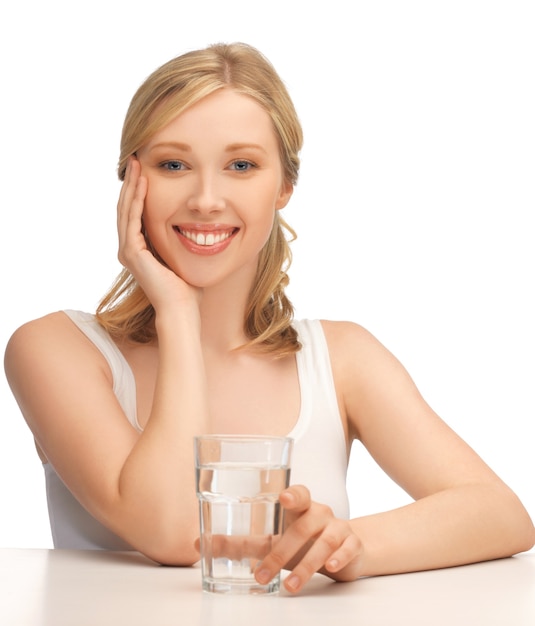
<point>462,511</point>
<point>139,485</point>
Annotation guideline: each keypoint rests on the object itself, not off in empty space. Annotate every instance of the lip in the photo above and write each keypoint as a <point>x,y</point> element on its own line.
<point>202,239</point>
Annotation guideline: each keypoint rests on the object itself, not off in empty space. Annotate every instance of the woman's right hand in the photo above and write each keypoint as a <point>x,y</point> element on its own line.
<point>160,284</point>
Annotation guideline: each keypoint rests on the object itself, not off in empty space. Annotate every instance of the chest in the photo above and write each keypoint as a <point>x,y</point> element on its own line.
<point>247,394</point>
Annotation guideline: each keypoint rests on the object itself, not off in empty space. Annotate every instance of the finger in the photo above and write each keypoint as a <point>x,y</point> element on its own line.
<point>137,203</point>
<point>327,542</point>
<point>349,551</point>
<point>125,198</point>
<point>333,550</point>
<point>296,499</point>
<point>294,539</point>
<point>129,183</point>
<point>131,239</point>
<point>127,194</point>
<point>239,547</point>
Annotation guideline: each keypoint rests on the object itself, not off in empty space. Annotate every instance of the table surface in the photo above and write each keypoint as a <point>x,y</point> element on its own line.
<point>97,588</point>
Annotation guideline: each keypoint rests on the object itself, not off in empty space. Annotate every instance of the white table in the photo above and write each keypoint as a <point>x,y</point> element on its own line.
<point>79,588</point>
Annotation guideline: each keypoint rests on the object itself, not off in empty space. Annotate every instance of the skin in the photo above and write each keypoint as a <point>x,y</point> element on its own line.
<point>200,174</point>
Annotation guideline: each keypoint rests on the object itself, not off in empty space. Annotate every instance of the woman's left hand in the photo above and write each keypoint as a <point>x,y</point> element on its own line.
<point>314,541</point>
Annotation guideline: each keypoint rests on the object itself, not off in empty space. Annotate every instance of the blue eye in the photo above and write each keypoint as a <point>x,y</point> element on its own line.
<point>173,166</point>
<point>242,166</point>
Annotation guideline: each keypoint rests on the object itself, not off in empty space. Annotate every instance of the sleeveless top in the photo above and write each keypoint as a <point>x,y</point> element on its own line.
<point>319,457</point>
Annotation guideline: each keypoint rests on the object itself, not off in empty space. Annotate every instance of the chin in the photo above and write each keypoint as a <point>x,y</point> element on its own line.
<point>200,282</point>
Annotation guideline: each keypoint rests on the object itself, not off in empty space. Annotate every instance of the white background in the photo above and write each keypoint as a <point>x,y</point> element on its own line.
<point>414,209</point>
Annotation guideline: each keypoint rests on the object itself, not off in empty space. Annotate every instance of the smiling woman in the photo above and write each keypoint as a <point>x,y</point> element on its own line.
<point>198,336</point>
<point>173,89</point>
<point>197,171</point>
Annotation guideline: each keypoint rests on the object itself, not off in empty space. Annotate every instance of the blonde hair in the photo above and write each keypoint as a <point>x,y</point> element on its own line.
<point>125,311</point>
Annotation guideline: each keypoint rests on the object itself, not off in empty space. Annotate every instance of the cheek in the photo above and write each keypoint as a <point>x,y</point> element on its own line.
<point>154,198</point>
<point>156,206</point>
<point>261,227</point>
<point>154,216</point>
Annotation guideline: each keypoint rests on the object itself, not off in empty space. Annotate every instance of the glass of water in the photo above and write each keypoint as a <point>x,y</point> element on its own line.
<point>238,480</point>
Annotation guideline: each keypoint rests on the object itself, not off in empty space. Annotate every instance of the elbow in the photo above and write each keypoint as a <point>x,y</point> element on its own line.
<point>521,531</point>
<point>526,532</point>
<point>530,537</point>
<point>172,551</point>
<point>173,559</point>
<point>525,539</point>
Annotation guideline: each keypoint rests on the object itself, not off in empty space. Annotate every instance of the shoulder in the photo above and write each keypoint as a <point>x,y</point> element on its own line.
<point>55,328</point>
<point>47,342</point>
<point>357,352</point>
<point>43,330</point>
<point>348,340</point>
<point>366,374</point>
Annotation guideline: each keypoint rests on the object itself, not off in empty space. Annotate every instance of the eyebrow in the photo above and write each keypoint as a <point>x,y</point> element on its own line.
<point>233,147</point>
<point>171,144</point>
<point>244,146</point>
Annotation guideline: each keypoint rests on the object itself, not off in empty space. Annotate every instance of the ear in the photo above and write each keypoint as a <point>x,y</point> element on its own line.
<point>285,194</point>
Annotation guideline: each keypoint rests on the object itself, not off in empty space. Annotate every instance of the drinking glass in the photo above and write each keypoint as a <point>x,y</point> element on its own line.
<point>238,481</point>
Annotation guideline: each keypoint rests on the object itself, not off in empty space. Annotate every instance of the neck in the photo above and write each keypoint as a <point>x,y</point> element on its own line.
<point>222,315</point>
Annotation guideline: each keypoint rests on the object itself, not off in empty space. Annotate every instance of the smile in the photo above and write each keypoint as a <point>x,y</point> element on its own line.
<point>205,239</point>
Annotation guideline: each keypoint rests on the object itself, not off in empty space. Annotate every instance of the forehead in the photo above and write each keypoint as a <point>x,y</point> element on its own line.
<point>224,115</point>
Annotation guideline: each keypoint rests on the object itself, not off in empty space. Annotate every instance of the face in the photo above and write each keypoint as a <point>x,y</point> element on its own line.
<point>215,180</point>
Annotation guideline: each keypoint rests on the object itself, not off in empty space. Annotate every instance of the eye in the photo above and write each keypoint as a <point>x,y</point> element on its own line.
<point>173,166</point>
<point>241,165</point>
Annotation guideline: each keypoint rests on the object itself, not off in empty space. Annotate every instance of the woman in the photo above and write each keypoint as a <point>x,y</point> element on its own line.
<point>197,336</point>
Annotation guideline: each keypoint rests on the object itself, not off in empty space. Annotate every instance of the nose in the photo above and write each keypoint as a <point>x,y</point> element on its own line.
<point>206,195</point>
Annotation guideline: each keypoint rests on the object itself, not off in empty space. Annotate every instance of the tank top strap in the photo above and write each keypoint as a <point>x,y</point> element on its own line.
<point>124,384</point>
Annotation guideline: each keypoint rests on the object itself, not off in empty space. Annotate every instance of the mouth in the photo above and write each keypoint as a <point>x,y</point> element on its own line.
<point>206,238</point>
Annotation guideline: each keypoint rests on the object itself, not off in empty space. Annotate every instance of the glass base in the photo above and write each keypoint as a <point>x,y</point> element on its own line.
<point>240,587</point>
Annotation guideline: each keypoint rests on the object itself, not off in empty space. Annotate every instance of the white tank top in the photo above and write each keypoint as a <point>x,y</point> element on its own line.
<point>319,459</point>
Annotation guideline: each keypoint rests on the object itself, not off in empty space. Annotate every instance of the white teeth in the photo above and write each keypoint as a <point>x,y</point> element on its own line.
<point>208,239</point>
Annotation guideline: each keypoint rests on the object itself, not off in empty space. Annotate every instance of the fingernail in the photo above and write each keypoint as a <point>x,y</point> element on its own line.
<point>263,576</point>
<point>293,582</point>
<point>289,497</point>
